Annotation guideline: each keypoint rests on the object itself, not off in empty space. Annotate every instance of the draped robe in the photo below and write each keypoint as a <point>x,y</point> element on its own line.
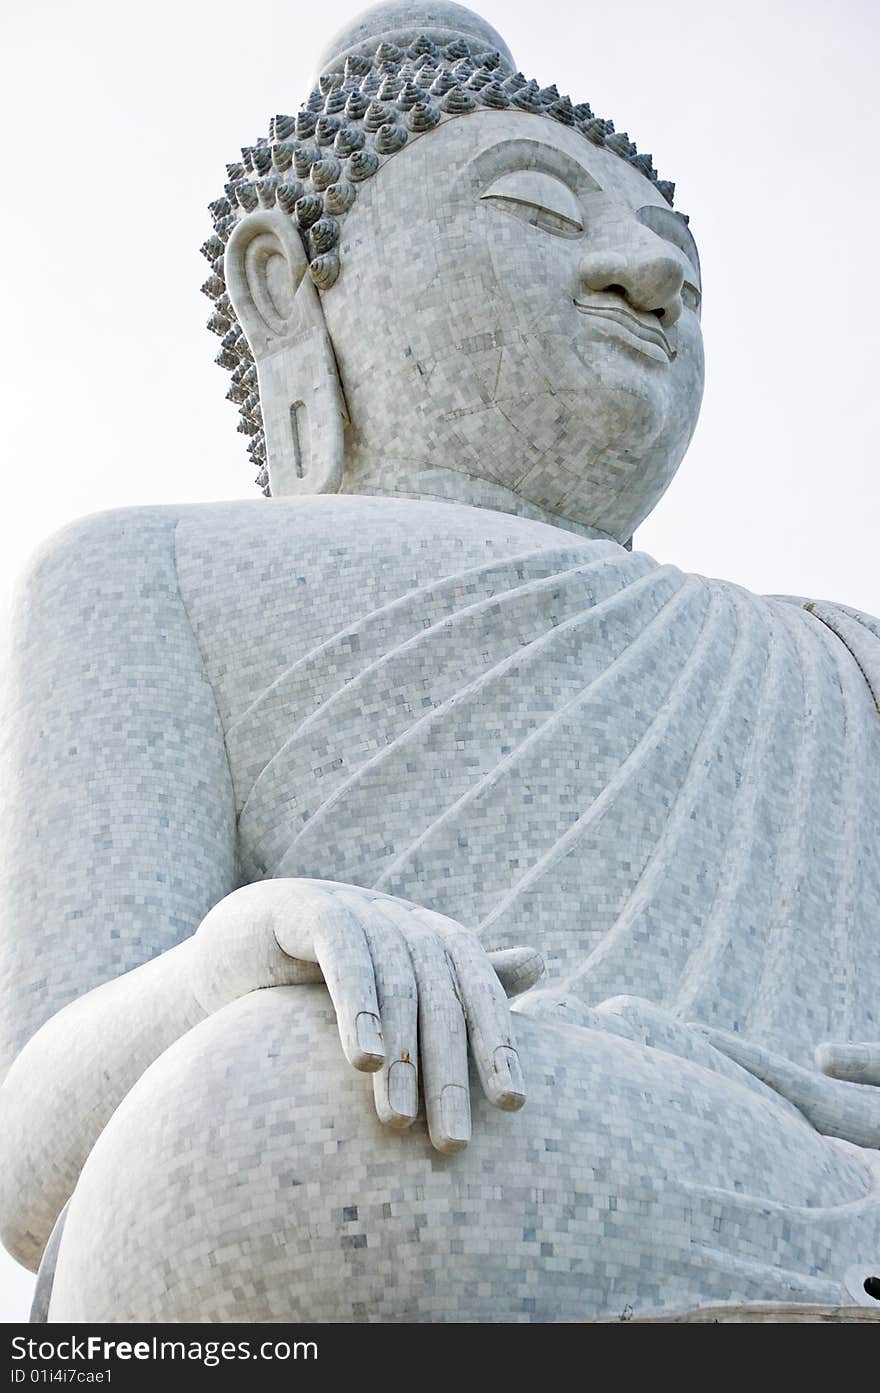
<point>664,783</point>
<point>670,785</point>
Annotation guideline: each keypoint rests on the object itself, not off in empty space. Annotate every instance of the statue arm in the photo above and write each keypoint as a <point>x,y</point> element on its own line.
<point>384,961</point>
<point>120,842</point>
<point>118,830</point>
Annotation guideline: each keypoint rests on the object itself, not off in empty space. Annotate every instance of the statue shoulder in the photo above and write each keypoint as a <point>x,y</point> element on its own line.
<point>100,572</point>
<point>116,551</point>
<point>362,533</point>
<point>131,569</point>
<point>94,545</point>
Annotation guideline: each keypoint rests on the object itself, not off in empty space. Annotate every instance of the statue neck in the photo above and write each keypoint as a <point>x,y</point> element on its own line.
<point>399,478</point>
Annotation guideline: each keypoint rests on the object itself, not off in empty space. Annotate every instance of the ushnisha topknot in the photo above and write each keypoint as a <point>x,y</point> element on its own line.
<point>357,116</point>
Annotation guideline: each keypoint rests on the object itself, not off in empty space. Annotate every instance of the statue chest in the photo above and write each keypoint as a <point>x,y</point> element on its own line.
<point>661,782</point>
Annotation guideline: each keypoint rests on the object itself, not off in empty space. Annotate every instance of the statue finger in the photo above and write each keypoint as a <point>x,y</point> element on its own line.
<point>344,957</point>
<point>486,1012</point>
<point>517,969</point>
<point>396,1084</point>
<point>442,1034</point>
<point>857,1063</point>
<point>488,1020</point>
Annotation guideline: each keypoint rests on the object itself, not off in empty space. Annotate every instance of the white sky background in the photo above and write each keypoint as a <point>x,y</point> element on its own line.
<point>119,119</point>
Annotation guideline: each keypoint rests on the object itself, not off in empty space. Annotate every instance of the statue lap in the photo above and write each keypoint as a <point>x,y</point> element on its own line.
<point>246,1177</point>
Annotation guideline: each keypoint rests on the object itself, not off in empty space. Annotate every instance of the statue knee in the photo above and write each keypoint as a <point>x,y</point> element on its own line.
<point>212,1165</point>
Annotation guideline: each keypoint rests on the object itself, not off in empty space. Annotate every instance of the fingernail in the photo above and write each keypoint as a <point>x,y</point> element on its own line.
<point>508,1085</point>
<point>369,1036</point>
<point>403,1089</point>
<point>455,1113</point>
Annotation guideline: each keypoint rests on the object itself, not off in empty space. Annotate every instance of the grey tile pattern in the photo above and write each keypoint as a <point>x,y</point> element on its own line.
<point>628,1180</point>
<point>554,741</point>
<point>247,749</point>
<point>118,833</point>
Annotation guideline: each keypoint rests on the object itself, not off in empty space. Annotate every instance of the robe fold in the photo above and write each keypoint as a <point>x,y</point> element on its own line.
<point>666,783</point>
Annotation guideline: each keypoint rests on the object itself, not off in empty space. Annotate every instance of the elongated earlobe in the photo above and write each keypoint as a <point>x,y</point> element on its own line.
<point>280,310</point>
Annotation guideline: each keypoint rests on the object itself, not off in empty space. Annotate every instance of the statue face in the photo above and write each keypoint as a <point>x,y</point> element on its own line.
<point>519,306</point>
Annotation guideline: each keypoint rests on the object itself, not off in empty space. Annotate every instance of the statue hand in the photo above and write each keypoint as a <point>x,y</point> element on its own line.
<point>411,990</point>
<point>839,1102</point>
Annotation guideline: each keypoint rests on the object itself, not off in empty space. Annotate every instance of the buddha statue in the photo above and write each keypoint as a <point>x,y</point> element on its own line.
<point>303,792</point>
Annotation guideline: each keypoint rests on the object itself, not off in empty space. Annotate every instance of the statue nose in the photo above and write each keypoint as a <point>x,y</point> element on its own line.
<point>650,283</point>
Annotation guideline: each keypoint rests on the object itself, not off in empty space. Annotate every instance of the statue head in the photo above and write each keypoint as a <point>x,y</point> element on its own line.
<point>440,280</point>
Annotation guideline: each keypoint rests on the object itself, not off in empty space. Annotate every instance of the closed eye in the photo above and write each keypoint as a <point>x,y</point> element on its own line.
<point>538,199</point>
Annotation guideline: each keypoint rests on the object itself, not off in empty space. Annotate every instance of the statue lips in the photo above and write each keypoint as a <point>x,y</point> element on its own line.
<point>643,331</point>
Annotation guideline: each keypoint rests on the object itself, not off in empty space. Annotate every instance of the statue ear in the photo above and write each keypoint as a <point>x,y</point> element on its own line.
<point>280,311</point>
